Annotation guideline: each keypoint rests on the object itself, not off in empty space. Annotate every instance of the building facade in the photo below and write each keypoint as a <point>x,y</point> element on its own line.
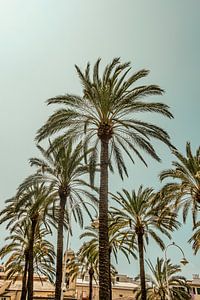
<point>123,288</point>
<point>194,283</point>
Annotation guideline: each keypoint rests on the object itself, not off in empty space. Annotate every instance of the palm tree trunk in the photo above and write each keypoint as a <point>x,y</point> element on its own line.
<point>110,277</point>
<point>59,257</point>
<point>142,271</point>
<point>162,297</point>
<point>30,266</point>
<point>104,285</point>
<point>91,273</point>
<point>24,278</point>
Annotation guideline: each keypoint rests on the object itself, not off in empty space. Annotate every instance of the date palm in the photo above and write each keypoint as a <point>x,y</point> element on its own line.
<point>184,190</point>
<point>85,262</point>
<point>17,251</point>
<point>117,243</point>
<point>141,218</point>
<point>158,290</point>
<point>62,169</point>
<point>32,205</point>
<point>106,118</point>
<point>29,208</point>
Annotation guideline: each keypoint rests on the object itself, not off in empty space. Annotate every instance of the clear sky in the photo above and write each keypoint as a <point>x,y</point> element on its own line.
<point>42,40</point>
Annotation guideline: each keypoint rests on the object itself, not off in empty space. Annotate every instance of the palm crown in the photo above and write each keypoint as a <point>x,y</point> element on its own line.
<point>108,110</point>
<point>185,189</point>
<point>139,214</point>
<point>18,247</point>
<point>63,171</point>
<point>158,290</point>
<point>117,242</point>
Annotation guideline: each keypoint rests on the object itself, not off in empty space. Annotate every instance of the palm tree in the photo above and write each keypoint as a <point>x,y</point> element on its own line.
<point>140,219</point>
<point>184,190</point>
<point>85,262</point>
<point>32,205</point>
<point>88,259</point>
<point>18,251</point>
<point>117,243</point>
<point>29,208</point>
<point>63,171</point>
<point>106,117</point>
<point>8,215</point>
<point>159,288</point>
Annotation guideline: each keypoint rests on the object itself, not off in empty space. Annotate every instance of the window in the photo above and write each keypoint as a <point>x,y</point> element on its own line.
<point>67,280</point>
<point>117,279</point>
<point>120,295</point>
<point>198,290</point>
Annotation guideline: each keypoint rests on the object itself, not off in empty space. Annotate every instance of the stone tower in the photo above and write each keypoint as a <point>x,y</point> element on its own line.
<point>70,284</point>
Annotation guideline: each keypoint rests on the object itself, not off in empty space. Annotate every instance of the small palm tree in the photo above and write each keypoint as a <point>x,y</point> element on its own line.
<point>140,218</point>
<point>8,215</point>
<point>106,118</point>
<point>85,262</point>
<point>63,171</point>
<point>32,206</point>
<point>29,208</point>
<point>17,251</point>
<point>117,243</point>
<point>184,190</point>
<point>161,279</point>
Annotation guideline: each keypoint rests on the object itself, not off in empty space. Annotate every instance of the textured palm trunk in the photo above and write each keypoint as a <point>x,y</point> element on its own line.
<point>162,297</point>
<point>91,273</point>
<point>104,284</point>
<point>24,278</point>
<point>141,260</point>
<point>30,265</point>
<point>110,277</point>
<point>162,294</point>
<point>59,257</point>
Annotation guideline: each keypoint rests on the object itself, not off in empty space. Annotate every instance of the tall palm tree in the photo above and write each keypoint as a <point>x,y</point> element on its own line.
<point>184,190</point>
<point>141,218</point>
<point>63,171</point>
<point>105,116</point>
<point>179,290</point>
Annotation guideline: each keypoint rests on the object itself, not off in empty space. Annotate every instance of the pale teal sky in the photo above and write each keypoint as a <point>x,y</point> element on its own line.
<point>41,40</point>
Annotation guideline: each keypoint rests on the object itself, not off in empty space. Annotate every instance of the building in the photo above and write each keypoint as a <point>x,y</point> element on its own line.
<point>123,287</point>
<point>195,286</point>
<point>11,289</point>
